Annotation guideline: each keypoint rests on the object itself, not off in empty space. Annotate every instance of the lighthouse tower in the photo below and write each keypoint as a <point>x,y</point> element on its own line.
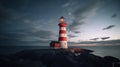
<point>62,33</point>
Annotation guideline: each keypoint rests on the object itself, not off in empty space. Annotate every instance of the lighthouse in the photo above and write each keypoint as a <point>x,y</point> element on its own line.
<point>62,33</point>
<point>62,39</point>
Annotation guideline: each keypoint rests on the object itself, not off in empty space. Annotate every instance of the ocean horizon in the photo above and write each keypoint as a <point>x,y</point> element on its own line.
<point>98,50</point>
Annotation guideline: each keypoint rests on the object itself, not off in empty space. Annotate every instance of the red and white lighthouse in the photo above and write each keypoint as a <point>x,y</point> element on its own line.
<point>62,33</point>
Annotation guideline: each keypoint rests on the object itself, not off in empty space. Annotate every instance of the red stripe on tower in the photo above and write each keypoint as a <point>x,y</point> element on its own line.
<point>62,38</point>
<point>62,33</point>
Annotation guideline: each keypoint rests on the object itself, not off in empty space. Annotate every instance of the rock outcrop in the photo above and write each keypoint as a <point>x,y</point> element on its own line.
<point>72,57</point>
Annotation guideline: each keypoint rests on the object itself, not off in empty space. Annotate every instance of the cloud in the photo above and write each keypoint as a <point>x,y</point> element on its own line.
<point>83,13</point>
<point>109,27</point>
<point>26,37</point>
<point>101,43</point>
<point>21,28</point>
<point>39,34</point>
<point>19,14</point>
<point>71,36</point>
<point>104,38</point>
<point>10,38</point>
<point>74,26</point>
<point>114,16</point>
<point>5,13</point>
<point>11,13</point>
<point>76,32</point>
<point>66,4</point>
<point>69,3</point>
<point>43,34</point>
<point>94,39</point>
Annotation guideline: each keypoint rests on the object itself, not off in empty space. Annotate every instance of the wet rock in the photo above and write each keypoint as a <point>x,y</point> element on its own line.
<point>90,60</point>
<point>57,58</point>
<point>14,61</point>
<point>109,61</point>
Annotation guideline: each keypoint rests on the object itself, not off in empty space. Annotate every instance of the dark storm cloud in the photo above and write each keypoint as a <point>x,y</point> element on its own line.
<point>26,37</point>
<point>43,34</point>
<point>76,32</point>
<point>80,14</point>
<point>72,27</point>
<point>12,10</point>
<point>19,10</point>
<point>109,27</point>
<point>5,13</point>
<point>10,38</point>
<point>114,16</point>
<point>104,38</point>
<point>94,39</point>
<point>21,23</point>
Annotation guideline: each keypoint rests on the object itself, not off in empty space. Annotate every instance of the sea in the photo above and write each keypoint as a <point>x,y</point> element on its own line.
<point>98,50</point>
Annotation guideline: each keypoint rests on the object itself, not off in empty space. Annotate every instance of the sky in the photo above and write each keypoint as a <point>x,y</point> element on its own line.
<point>35,22</point>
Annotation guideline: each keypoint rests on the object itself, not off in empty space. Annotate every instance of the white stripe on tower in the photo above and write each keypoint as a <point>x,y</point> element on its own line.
<point>63,28</point>
<point>63,41</point>
<point>63,35</point>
